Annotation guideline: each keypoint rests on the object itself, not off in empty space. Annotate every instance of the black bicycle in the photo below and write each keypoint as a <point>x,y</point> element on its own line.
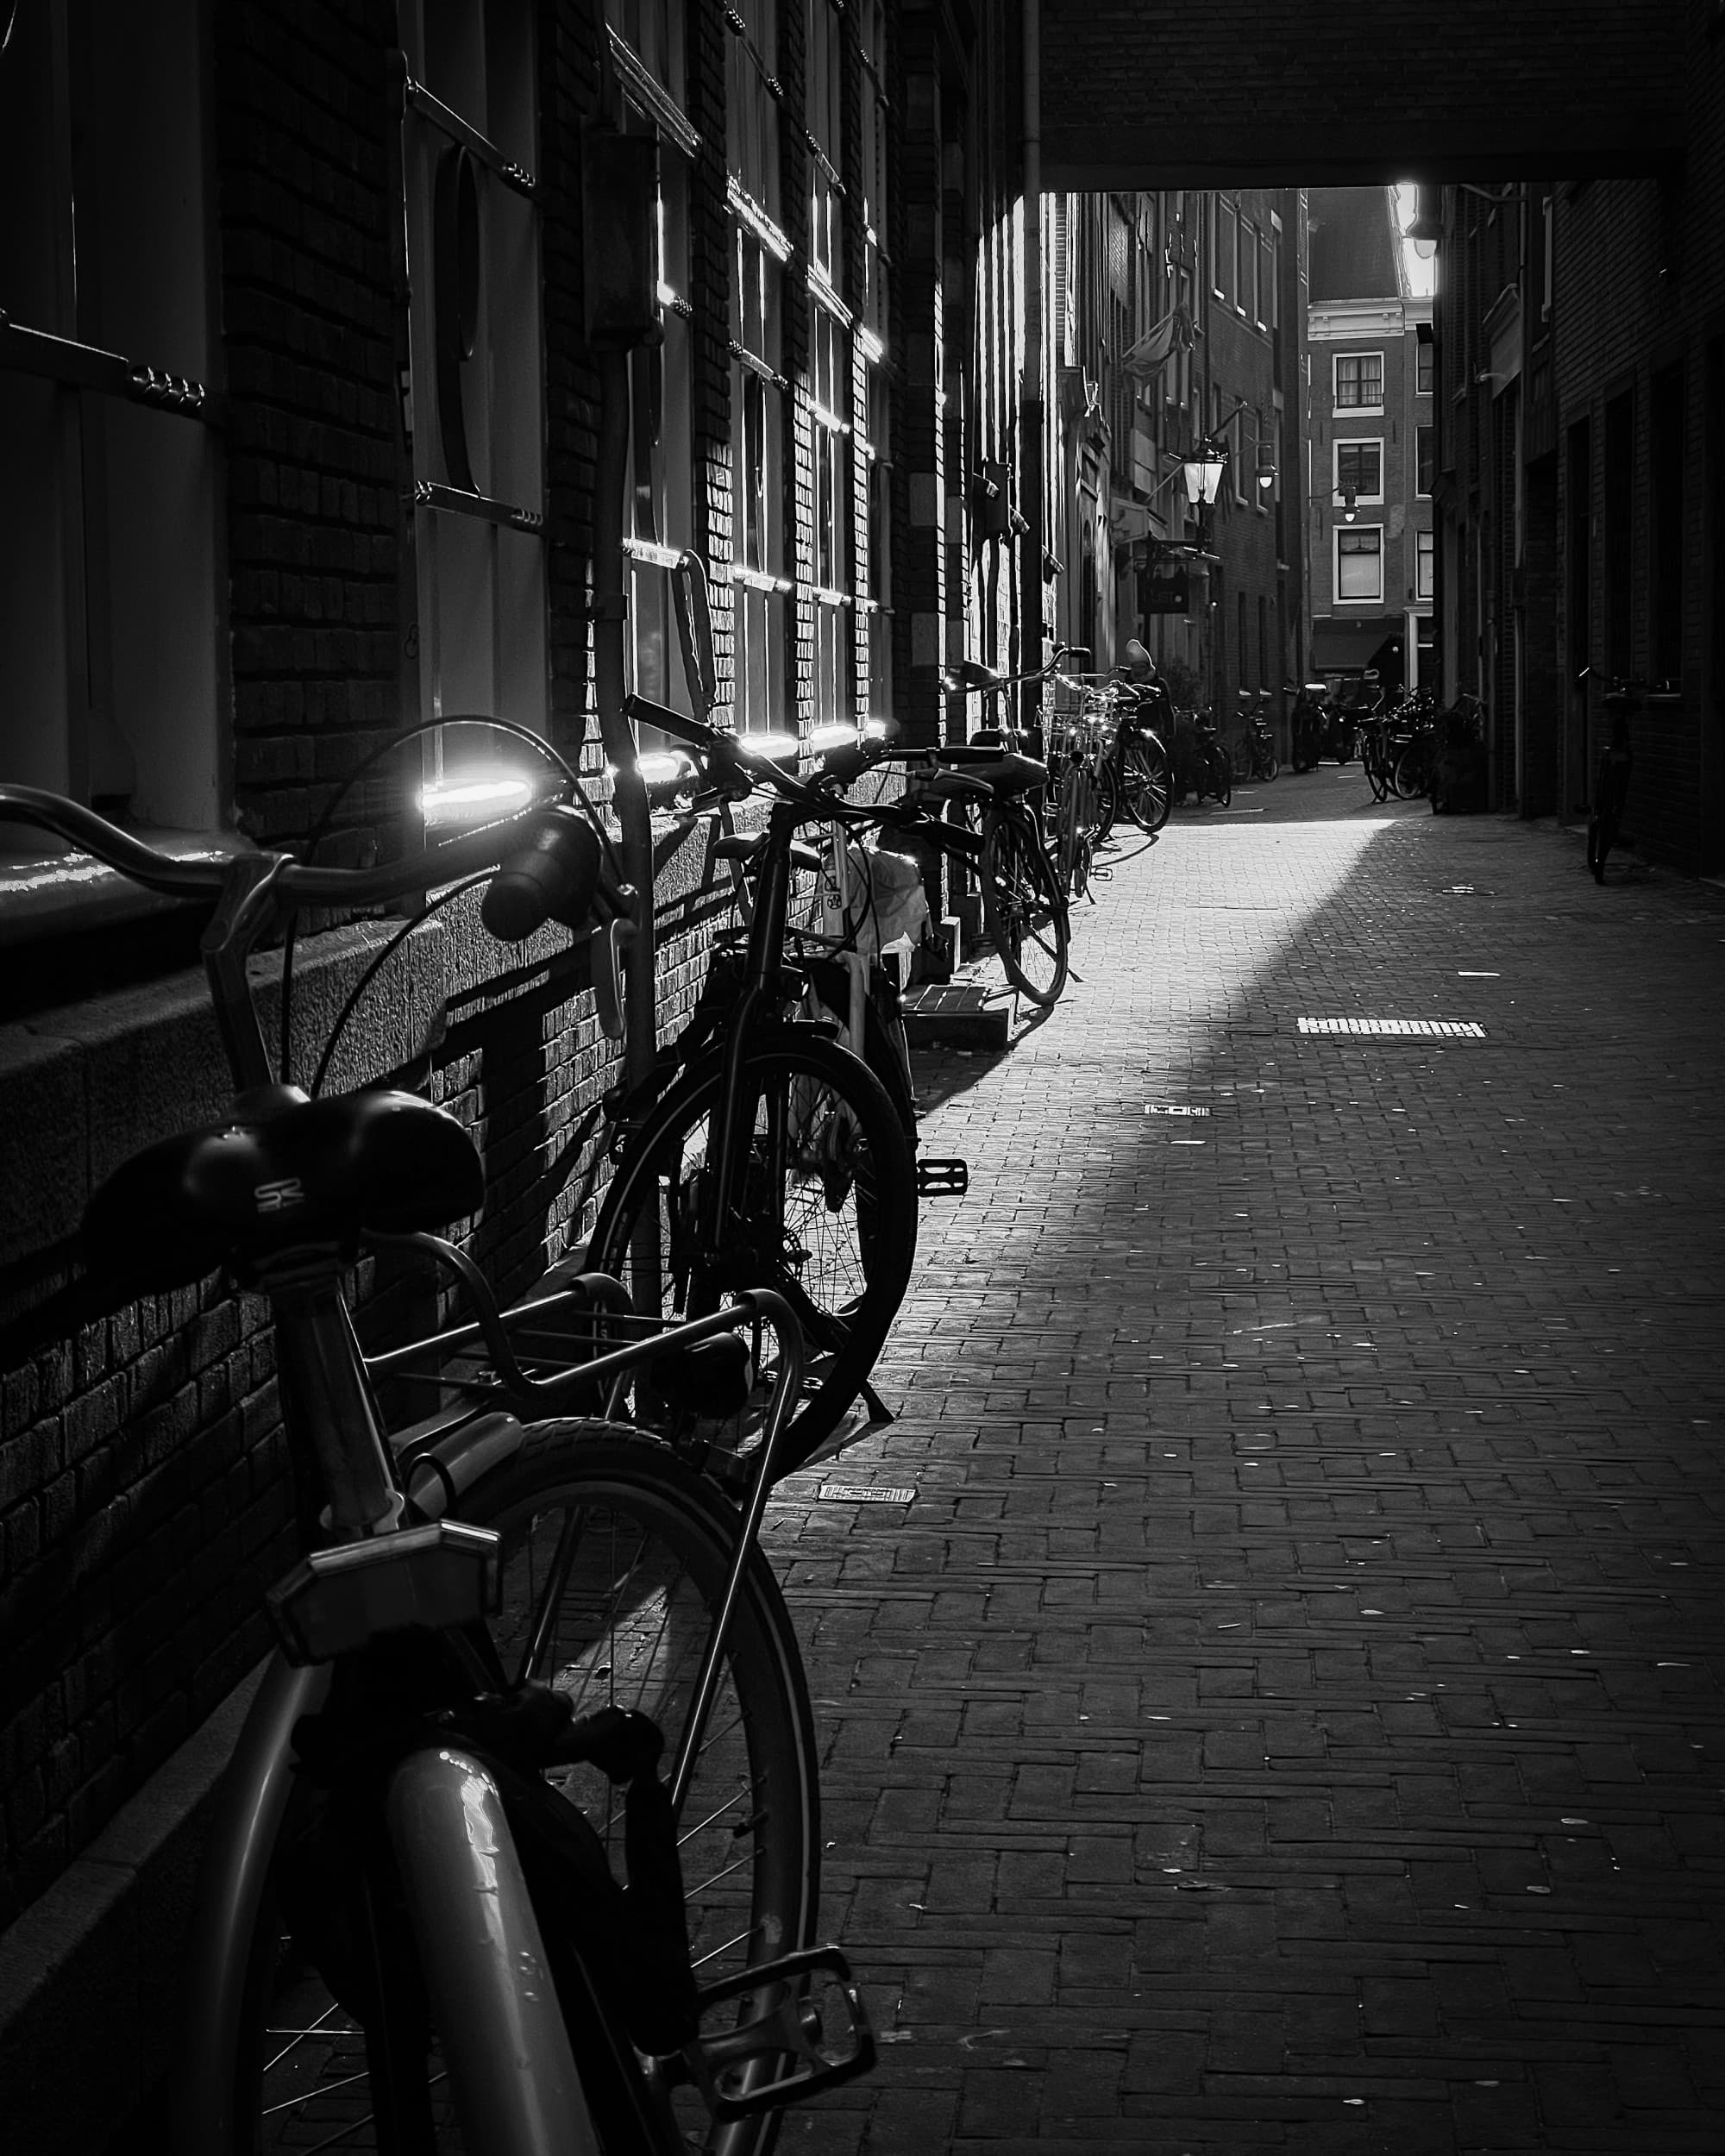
<point>1611,779</point>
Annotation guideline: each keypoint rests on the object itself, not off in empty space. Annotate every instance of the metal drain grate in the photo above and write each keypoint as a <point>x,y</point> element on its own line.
<point>1421,1029</point>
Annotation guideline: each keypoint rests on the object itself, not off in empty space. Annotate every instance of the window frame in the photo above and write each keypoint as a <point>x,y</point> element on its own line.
<point>1425,563</point>
<point>124,666</point>
<point>1356,407</point>
<point>1355,531</point>
<point>1357,442</point>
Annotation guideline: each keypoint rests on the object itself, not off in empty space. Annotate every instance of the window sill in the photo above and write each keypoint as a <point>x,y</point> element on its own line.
<point>49,894</point>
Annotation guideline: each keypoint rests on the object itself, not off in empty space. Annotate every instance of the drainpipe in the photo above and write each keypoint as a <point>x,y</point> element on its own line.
<point>1032,406</point>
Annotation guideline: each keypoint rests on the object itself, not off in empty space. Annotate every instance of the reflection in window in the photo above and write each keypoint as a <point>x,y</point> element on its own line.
<point>1359,563</point>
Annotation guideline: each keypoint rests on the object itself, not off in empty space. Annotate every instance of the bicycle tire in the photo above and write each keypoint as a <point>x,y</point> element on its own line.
<point>828,1214</point>
<point>629,1590</point>
<point>1267,763</point>
<point>1222,777</point>
<point>1243,753</point>
<point>1023,908</point>
<point>1410,777</point>
<point>1146,788</point>
<point>1107,798</point>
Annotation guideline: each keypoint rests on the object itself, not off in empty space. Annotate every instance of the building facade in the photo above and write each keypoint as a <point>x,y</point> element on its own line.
<point>1581,488</point>
<point>1175,319</point>
<point>1369,444</point>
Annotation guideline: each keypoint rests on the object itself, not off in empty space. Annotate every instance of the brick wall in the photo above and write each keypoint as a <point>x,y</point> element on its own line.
<point>1290,92</point>
<point>314,459</point>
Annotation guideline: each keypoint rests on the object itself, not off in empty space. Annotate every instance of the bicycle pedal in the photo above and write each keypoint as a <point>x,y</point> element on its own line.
<point>814,2038</point>
<point>942,1178</point>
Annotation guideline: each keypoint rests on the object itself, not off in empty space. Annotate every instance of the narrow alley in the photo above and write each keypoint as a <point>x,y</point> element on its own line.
<point>1271,1686</point>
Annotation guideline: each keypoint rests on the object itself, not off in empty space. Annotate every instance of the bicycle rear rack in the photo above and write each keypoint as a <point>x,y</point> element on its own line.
<point>942,1178</point>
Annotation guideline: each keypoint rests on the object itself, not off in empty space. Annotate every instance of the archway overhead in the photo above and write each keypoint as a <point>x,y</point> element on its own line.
<point>1322,92</point>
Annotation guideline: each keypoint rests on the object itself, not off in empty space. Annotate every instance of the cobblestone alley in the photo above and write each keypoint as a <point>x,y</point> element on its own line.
<point>1281,1711</point>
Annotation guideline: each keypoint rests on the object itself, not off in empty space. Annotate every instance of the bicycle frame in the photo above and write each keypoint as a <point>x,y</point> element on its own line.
<point>512,2065</point>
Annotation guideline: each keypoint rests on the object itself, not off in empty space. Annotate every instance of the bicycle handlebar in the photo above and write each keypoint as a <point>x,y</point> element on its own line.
<point>295,883</point>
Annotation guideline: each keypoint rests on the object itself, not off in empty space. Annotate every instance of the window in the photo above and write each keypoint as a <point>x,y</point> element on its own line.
<point>1245,459</point>
<point>1245,278</point>
<point>829,417</point>
<point>1359,381</point>
<point>658,521</point>
<point>1425,362</point>
<point>878,451</point>
<point>1266,282</point>
<point>1423,583</point>
<point>477,391</point>
<point>1360,470</point>
<point>1222,267</point>
<point>751,100</point>
<point>872,143</point>
<point>112,622</point>
<point>1424,459</point>
<point>1359,562</point>
<point>758,477</point>
<point>824,105</point>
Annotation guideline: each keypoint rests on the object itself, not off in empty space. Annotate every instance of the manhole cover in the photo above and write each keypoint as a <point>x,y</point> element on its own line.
<point>1421,1029</point>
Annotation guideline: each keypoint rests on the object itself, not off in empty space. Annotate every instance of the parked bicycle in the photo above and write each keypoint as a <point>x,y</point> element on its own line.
<point>1254,750</point>
<point>1202,763</point>
<point>498,1633</point>
<point>1308,724</point>
<point>1621,700</point>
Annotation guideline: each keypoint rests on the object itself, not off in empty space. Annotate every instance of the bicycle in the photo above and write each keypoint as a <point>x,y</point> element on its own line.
<point>1025,910</point>
<point>417,1746</point>
<point>1612,776</point>
<point>1308,724</point>
<point>1201,761</point>
<point>1413,723</point>
<point>1254,750</point>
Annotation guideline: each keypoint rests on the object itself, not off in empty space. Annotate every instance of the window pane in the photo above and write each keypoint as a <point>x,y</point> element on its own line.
<point>1359,564</point>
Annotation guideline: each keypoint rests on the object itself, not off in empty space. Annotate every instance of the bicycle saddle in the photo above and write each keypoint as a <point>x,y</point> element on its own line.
<point>280,1172</point>
<point>1002,769</point>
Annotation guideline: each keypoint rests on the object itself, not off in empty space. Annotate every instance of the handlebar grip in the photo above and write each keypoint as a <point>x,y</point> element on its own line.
<point>552,878</point>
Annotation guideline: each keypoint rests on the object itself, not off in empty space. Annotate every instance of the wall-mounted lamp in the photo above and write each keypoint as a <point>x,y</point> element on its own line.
<point>1266,464</point>
<point>1425,228</point>
<point>1350,505</point>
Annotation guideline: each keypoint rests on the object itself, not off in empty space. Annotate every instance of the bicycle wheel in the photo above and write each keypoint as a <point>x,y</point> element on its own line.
<point>615,1557</point>
<point>1268,765</point>
<point>1408,777</point>
<point>1146,788</point>
<point>1242,758</point>
<point>1107,783</point>
<point>1221,776</point>
<point>1023,908</point>
<point>826,1213</point>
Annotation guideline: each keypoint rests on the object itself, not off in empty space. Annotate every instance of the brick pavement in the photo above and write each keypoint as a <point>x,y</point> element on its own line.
<point>1287,1717</point>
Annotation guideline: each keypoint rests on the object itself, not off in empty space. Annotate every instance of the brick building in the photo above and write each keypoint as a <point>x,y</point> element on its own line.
<point>1581,483</point>
<point>300,418</point>
<point>1175,315</point>
<point>1370,442</point>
